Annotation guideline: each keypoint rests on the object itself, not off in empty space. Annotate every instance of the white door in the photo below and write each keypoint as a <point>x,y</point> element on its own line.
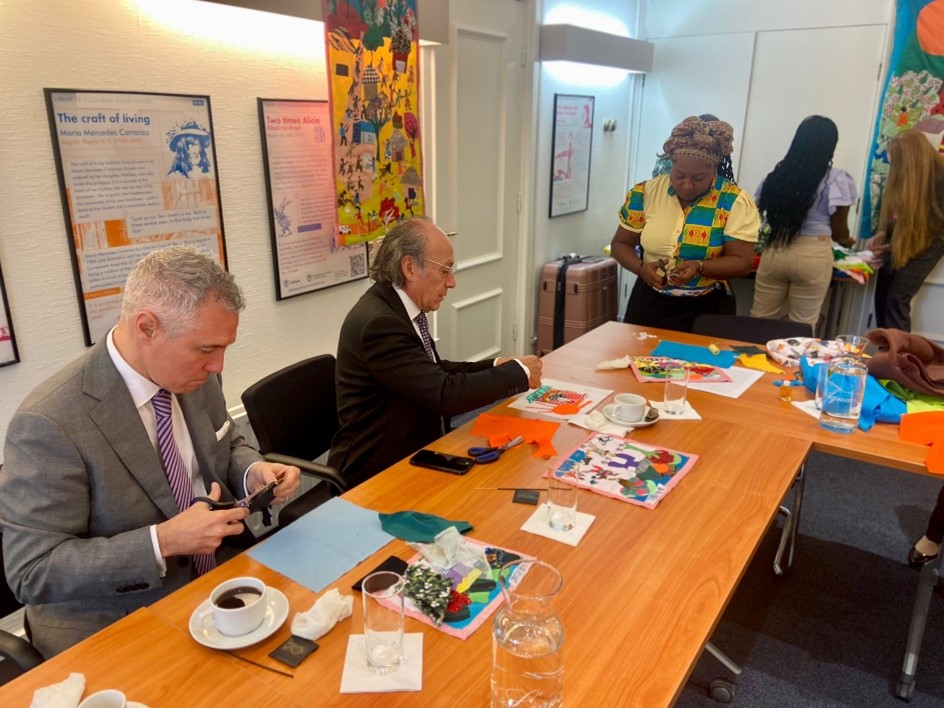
<point>473,93</point>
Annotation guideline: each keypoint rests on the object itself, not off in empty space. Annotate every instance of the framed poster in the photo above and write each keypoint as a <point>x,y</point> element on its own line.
<point>300,184</point>
<point>137,172</point>
<point>570,154</point>
<point>8,351</point>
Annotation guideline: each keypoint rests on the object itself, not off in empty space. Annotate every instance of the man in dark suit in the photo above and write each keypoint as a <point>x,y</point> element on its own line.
<point>395,395</point>
<point>102,461</point>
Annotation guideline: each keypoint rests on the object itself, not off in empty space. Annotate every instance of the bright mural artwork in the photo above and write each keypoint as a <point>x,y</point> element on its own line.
<point>914,93</point>
<point>373,68</point>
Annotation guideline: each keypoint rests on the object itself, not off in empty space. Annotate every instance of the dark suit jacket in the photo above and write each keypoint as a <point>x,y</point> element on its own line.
<point>392,396</point>
<point>80,485</point>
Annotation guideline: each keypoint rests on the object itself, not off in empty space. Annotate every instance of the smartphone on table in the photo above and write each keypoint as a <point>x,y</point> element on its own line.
<point>444,462</point>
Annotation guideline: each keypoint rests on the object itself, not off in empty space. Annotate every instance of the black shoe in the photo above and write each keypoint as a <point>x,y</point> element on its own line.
<point>916,559</point>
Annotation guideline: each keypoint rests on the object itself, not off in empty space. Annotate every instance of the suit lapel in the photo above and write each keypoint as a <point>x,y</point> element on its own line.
<point>202,435</point>
<point>120,424</point>
<point>393,300</point>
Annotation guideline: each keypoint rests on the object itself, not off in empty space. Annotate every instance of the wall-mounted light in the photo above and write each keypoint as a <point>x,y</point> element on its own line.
<point>587,46</point>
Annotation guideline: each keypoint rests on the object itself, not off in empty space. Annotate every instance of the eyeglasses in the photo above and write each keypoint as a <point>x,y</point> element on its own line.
<point>447,270</point>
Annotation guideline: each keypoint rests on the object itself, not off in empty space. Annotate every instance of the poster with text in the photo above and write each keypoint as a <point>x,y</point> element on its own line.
<point>372,52</point>
<point>570,154</point>
<point>8,351</point>
<point>137,172</point>
<point>296,141</point>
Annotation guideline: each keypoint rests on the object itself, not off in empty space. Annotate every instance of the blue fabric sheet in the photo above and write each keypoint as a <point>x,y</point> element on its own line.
<point>878,405</point>
<point>693,353</point>
<point>323,544</point>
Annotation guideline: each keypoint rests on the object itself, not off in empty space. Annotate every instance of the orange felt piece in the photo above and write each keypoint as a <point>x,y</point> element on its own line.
<point>922,428</point>
<point>499,429</point>
<point>926,429</point>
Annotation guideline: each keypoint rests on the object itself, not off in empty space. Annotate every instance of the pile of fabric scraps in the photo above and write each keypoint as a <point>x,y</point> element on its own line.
<point>855,264</point>
<point>788,352</point>
<point>500,429</point>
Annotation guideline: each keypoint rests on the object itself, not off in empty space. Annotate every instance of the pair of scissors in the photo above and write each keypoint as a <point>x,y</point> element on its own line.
<point>257,501</point>
<point>484,455</point>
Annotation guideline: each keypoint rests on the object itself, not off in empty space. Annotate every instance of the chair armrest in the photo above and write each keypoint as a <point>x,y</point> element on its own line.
<point>19,651</point>
<point>322,472</point>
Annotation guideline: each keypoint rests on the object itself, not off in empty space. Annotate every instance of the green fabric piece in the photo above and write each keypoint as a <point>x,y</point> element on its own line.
<point>418,527</point>
<point>915,402</point>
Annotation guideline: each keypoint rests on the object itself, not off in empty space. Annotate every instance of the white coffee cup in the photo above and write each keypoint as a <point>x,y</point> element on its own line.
<point>109,698</point>
<point>238,606</point>
<point>630,407</point>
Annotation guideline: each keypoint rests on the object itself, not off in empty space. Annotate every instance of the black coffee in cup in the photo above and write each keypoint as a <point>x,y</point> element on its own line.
<point>235,598</point>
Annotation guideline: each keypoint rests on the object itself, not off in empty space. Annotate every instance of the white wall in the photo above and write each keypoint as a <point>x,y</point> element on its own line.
<point>232,55</point>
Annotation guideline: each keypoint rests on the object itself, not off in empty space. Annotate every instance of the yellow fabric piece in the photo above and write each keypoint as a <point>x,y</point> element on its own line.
<point>759,362</point>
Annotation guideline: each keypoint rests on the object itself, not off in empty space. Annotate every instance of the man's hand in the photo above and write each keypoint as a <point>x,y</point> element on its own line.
<point>877,244</point>
<point>197,530</point>
<point>534,366</point>
<point>261,473</point>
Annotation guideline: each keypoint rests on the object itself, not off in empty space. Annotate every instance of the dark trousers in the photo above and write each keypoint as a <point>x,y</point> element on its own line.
<point>935,530</point>
<point>650,308</point>
<point>895,289</point>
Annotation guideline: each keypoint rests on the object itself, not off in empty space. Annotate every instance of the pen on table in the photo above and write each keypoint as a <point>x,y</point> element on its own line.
<point>512,489</point>
<point>261,666</point>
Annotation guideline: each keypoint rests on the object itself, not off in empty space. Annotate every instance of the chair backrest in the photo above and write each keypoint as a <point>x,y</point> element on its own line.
<point>294,410</point>
<point>758,330</point>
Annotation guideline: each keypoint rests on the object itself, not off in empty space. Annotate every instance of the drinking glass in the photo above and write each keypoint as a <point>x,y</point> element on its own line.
<point>821,370</point>
<point>842,398</point>
<point>561,500</point>
<point>383,620</point>
<point>676,391</point>
<point>852,344</point>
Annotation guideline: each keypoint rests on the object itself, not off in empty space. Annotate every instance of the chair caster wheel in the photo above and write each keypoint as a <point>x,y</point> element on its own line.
<point>722,690</point>
<point>905,691</point>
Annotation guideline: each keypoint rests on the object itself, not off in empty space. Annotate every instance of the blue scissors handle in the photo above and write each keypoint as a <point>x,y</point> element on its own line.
<point>476,451</point>
<point>484,455</point>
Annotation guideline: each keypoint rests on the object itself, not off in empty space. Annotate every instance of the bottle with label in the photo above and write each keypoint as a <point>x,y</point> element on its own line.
<point>528,638</point>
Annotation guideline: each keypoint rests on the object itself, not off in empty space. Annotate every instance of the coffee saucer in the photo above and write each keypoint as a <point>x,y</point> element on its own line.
<point>203,628</point>
<point>610,412</point>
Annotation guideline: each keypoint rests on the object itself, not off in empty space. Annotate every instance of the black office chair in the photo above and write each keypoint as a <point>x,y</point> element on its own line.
<point>19,656</point>
<point>294,414</point>
<point>759,330</point>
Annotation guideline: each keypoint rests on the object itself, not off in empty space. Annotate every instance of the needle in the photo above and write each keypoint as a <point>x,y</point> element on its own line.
<point>511,489</point>
<point>261,666</point>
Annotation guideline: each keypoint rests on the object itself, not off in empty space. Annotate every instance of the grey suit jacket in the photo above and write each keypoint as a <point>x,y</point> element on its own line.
<point>79,488</point>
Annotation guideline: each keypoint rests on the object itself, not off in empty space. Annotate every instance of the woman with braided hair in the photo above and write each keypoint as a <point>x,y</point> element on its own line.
<point>804,203</point>
<point>696,229</point>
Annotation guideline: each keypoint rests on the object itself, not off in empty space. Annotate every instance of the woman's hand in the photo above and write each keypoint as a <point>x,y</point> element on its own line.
<point>684,271</point>
<point>651,275</point>
<point>877,244</point>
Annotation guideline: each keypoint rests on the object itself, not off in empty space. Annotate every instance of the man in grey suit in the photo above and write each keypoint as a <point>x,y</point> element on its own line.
<point>93,524</point>
<point>395,394</point>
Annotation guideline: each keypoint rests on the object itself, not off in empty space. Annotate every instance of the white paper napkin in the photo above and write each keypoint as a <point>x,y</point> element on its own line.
<point>621,363</point>
<point>688,414</point>
<point>537,524</point>
<point>65,694</point>
<point>808,407</point>
<point>358,678</point>
<point>328,610</point>
<point>595,420</point>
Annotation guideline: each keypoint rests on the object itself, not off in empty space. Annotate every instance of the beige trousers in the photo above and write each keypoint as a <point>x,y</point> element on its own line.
<point>792,281</point>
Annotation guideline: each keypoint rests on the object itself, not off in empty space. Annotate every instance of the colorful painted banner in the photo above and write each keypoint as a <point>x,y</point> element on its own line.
<point>913,96</point>
<point>373,71</point>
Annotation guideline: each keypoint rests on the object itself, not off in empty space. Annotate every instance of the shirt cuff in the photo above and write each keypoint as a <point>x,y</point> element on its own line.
<point>246,477</point>
<point>161,564</point>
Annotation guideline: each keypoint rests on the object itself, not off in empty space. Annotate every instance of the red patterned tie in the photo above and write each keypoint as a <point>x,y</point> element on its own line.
<point>177,475</point>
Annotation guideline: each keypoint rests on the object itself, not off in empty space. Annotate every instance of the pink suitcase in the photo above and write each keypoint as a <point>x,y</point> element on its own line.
<point>577,294</point>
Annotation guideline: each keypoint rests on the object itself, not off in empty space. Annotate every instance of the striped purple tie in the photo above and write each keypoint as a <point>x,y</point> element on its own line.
<point>177,475</point>
<point>423,324</point>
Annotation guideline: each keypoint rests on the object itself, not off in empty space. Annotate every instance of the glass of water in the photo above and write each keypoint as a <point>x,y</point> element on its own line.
<point>842,396</point>
<point>676,390</point>
<point>561,498</point>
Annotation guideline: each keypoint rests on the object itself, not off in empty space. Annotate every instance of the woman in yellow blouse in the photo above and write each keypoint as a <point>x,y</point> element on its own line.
<point>686,233</point>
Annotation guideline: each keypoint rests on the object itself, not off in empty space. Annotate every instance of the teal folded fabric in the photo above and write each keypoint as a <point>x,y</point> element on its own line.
<point>694,354</point>
<point>418,527</point>
<point>878,405</point>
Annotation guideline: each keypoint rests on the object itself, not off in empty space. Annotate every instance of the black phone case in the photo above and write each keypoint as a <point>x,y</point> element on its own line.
<point>393,564</point>
<point>443,462</point>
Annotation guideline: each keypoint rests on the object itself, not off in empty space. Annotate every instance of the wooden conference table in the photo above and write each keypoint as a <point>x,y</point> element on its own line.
<point>642,592</point>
